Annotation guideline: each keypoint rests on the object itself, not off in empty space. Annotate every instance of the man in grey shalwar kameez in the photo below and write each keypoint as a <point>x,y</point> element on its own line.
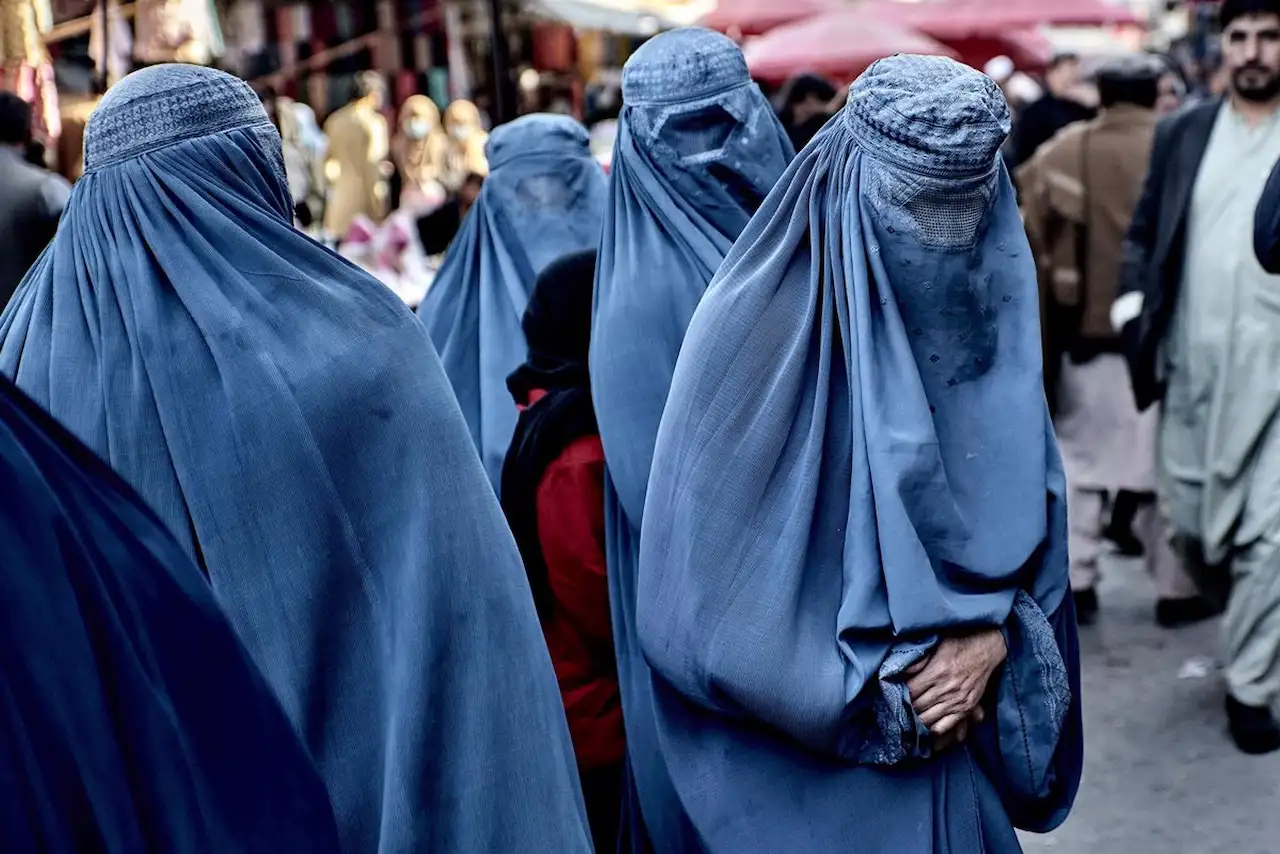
<point>1204,335</point>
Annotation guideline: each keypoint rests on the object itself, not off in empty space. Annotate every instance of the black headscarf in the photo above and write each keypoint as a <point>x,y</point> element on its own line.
<point>801,88</point>
<point>557,327</point>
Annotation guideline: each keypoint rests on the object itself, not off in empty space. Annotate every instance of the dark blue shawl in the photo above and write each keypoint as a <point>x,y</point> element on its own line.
<point>131,718</point>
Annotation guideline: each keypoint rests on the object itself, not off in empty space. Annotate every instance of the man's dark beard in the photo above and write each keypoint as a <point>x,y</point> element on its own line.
<point>1258,93</point>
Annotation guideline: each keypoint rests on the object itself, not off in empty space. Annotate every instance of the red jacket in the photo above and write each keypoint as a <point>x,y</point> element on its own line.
<point>579,631</point>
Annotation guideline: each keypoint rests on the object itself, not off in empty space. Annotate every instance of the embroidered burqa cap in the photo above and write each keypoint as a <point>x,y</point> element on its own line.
<point>289,421</point>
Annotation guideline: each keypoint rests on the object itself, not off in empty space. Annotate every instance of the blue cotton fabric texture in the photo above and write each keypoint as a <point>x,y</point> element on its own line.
<point>856,459</point>
<point>288,419</point>
<point>131,717</point>
<point>544,198</point>
<point>698,149</point>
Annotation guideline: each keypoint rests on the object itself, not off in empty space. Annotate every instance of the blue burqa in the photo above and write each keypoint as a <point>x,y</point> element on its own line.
<point>131,717</point>
<point>544,198</point>
<point>698,149</point>
<point>855,459</point>
<point>288,419</point>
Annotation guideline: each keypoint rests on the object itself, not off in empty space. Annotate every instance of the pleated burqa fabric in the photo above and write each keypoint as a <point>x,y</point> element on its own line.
<point>698,149</point>
<point>289,420</point>
<point>131,717</point>
<point>856,460</point>
<point>544,198</point>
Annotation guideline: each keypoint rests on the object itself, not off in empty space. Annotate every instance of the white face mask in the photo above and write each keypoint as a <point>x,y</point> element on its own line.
<point>461,132</point>
<point>418,128</point>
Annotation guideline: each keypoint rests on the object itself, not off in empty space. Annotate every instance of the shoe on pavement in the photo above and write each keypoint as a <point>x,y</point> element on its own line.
<point>1176,613</point>
<point>1086,602</point>
<point>1254,729</point>
<point>1126,542</point>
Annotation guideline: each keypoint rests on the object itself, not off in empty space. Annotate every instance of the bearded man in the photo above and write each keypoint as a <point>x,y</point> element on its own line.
<point>1201,320</point>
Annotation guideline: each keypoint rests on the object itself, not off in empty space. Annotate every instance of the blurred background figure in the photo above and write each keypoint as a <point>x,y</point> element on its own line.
<point>1201,324</point>
<point>357,166</point>
<point>1058,107</point>
<point>553,496</point>
<point>804,105</point>
<point>418,151</point>
<point>465,139</point>
<point>305,149</point>
<point>438,228</point>
<point>1078,195</point>
<point>545,198</point>
<point>31,197</point>
<point>1173,89</point>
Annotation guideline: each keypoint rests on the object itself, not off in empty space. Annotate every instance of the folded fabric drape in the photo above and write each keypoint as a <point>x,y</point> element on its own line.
<point>698,149</point>
<point>856,460</point>
<point>544,198</point>
<point>287,418</point>
<point>131,717</point>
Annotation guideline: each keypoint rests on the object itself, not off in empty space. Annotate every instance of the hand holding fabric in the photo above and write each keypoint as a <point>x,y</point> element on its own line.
<point>947,686</point>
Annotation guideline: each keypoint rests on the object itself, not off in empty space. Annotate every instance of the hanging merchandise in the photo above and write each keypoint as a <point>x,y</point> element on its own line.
<point>459,68</point>
<point>177,31</point>
<point>119,41</point>
<point>24,64</point>
<point>438,85</point>
<point>246,37</point>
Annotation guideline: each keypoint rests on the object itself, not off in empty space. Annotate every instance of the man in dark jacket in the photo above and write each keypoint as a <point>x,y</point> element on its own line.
<point>31,201</point>
<point>1266,224</point>
<point>1200,319</point>
<point>1042,119</point>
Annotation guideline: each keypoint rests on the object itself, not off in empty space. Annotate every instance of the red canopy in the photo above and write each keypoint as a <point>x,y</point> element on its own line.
<point>952,19</point>
<point>837,45</point>
<point>754,17</point>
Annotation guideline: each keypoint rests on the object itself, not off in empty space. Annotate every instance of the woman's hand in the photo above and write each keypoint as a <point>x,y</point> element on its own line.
<point>947,687</point>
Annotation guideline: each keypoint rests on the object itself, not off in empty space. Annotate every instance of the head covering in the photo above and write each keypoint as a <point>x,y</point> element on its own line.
<point>803,87</point>
<point>544,197</point>
<point>557,327</point>
<point>860,392</point>
<point>999,69</point>
<point>419,146</point>
<point>465,153</point>
<point>132,717</point>
<point>698,150</point>
<point>288,419</point>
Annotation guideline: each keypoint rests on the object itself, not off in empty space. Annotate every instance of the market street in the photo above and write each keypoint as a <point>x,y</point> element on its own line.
<point>1161,774</point>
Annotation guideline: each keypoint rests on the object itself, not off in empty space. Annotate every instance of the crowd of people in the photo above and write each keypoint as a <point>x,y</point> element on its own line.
<point>1159,346</point>
<point>745,496</point>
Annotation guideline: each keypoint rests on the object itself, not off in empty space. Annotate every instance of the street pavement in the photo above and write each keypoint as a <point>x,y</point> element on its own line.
<point>1161,774</point>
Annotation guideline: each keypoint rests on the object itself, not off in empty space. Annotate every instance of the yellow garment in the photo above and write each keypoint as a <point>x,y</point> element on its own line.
<point>466,140</point>
<point>420,143</point>
<point>358,147</point>
<point>21,22</point>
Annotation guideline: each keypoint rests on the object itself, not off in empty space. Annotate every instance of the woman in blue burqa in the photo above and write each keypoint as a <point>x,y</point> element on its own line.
<point>289,421</point>
<point>698,150</point>
<point>544,198</point>
<point>853,568</point>
<point>131,717</point>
